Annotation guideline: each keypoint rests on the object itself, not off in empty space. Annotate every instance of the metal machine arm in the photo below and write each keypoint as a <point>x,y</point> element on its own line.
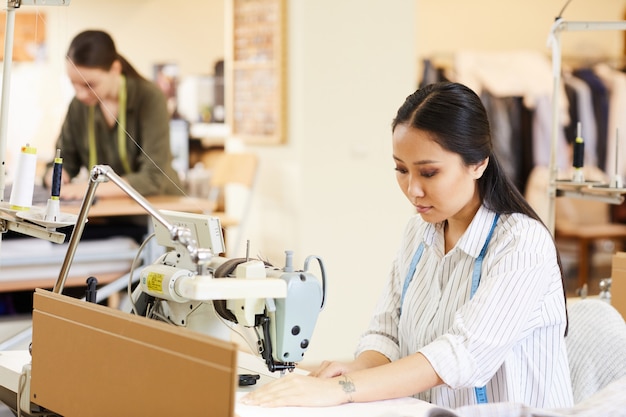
<point>102,173</point>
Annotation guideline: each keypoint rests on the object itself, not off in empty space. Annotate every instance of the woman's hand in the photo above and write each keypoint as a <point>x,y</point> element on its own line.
<point>330,384</point>
<point>74,190</point>
<point>302,390</point>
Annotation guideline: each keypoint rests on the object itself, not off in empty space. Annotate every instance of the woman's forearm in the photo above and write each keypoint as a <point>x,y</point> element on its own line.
<point>405,377</point>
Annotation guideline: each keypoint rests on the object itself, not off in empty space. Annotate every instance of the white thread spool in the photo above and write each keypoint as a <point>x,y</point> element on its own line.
<point>24,181</point>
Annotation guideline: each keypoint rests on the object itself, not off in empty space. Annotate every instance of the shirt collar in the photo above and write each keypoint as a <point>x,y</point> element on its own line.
<point>476,234</point>
<point>473,240</point>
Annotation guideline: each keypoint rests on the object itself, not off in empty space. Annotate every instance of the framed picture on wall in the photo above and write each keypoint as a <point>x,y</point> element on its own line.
<point>255,71</point>
<point>29,39</point>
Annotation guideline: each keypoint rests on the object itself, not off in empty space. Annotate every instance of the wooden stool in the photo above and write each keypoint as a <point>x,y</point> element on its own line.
<point>585,235</point>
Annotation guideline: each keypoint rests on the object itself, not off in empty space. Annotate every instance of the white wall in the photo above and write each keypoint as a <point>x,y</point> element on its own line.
<point>331,190</point>
<point>514,24</point>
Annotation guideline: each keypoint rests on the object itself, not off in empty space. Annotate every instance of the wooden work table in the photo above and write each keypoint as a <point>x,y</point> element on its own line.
<point>125,206</point>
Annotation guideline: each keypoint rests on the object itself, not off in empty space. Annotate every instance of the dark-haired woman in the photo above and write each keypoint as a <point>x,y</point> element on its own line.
<point>117,118</point>
<point>474,310</point>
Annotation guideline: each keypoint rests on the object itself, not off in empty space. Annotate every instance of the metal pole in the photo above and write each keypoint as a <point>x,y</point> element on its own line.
<point>6,84</point>
<point>76,235</point>
<point>555,40</point>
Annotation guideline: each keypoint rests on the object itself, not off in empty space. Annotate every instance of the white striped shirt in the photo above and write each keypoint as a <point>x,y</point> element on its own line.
<point>509,336</point>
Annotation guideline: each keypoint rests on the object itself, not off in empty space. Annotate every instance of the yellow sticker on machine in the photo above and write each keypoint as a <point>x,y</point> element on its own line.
<point>154,282</point>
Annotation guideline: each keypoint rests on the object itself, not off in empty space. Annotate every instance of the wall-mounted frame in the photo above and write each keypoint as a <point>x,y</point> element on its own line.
<point>29,39</point>
<point>255,70</point>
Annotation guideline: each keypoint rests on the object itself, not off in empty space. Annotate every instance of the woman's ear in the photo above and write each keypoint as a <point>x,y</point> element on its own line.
<point>116,67</point>
<point>479,168</point>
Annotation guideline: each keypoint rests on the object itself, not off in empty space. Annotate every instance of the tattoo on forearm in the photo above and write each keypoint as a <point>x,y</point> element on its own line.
<point>348,387</point>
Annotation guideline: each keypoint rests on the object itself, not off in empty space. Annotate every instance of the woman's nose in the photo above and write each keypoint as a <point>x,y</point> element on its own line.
<point>415,188</point>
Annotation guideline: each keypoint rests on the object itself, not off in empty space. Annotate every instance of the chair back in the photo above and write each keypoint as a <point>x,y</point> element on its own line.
<point>596,346</point>
<point>234,168</point>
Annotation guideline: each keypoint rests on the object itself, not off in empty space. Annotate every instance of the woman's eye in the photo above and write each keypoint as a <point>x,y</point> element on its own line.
<point>428,174</point>
<point>401,170</point>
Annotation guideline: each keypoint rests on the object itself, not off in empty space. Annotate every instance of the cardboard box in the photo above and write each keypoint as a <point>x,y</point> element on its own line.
<point>91,360</point>
<point>618,282</point>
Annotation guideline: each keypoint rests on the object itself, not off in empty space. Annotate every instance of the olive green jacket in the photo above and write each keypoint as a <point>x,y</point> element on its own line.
<point>147,140</point>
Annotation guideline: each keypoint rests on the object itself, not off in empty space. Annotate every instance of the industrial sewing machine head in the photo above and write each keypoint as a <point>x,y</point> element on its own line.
<point>190,285</point>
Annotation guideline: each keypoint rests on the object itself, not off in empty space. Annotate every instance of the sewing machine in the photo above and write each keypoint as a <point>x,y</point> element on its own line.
<point>189,286</point>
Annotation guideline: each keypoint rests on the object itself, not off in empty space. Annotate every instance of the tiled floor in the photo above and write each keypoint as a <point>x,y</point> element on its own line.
<point>6,411</point>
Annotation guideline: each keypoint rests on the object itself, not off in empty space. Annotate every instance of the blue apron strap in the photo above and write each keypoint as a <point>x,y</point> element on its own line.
<point>409,276</point>
<point>479,261</point>
<point>481,392</point>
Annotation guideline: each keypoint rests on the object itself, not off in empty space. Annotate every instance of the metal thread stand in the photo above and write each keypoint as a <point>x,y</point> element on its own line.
<point>614,196</point>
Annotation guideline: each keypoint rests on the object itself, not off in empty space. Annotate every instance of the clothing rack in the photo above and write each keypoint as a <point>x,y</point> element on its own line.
<point>614,192</point>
